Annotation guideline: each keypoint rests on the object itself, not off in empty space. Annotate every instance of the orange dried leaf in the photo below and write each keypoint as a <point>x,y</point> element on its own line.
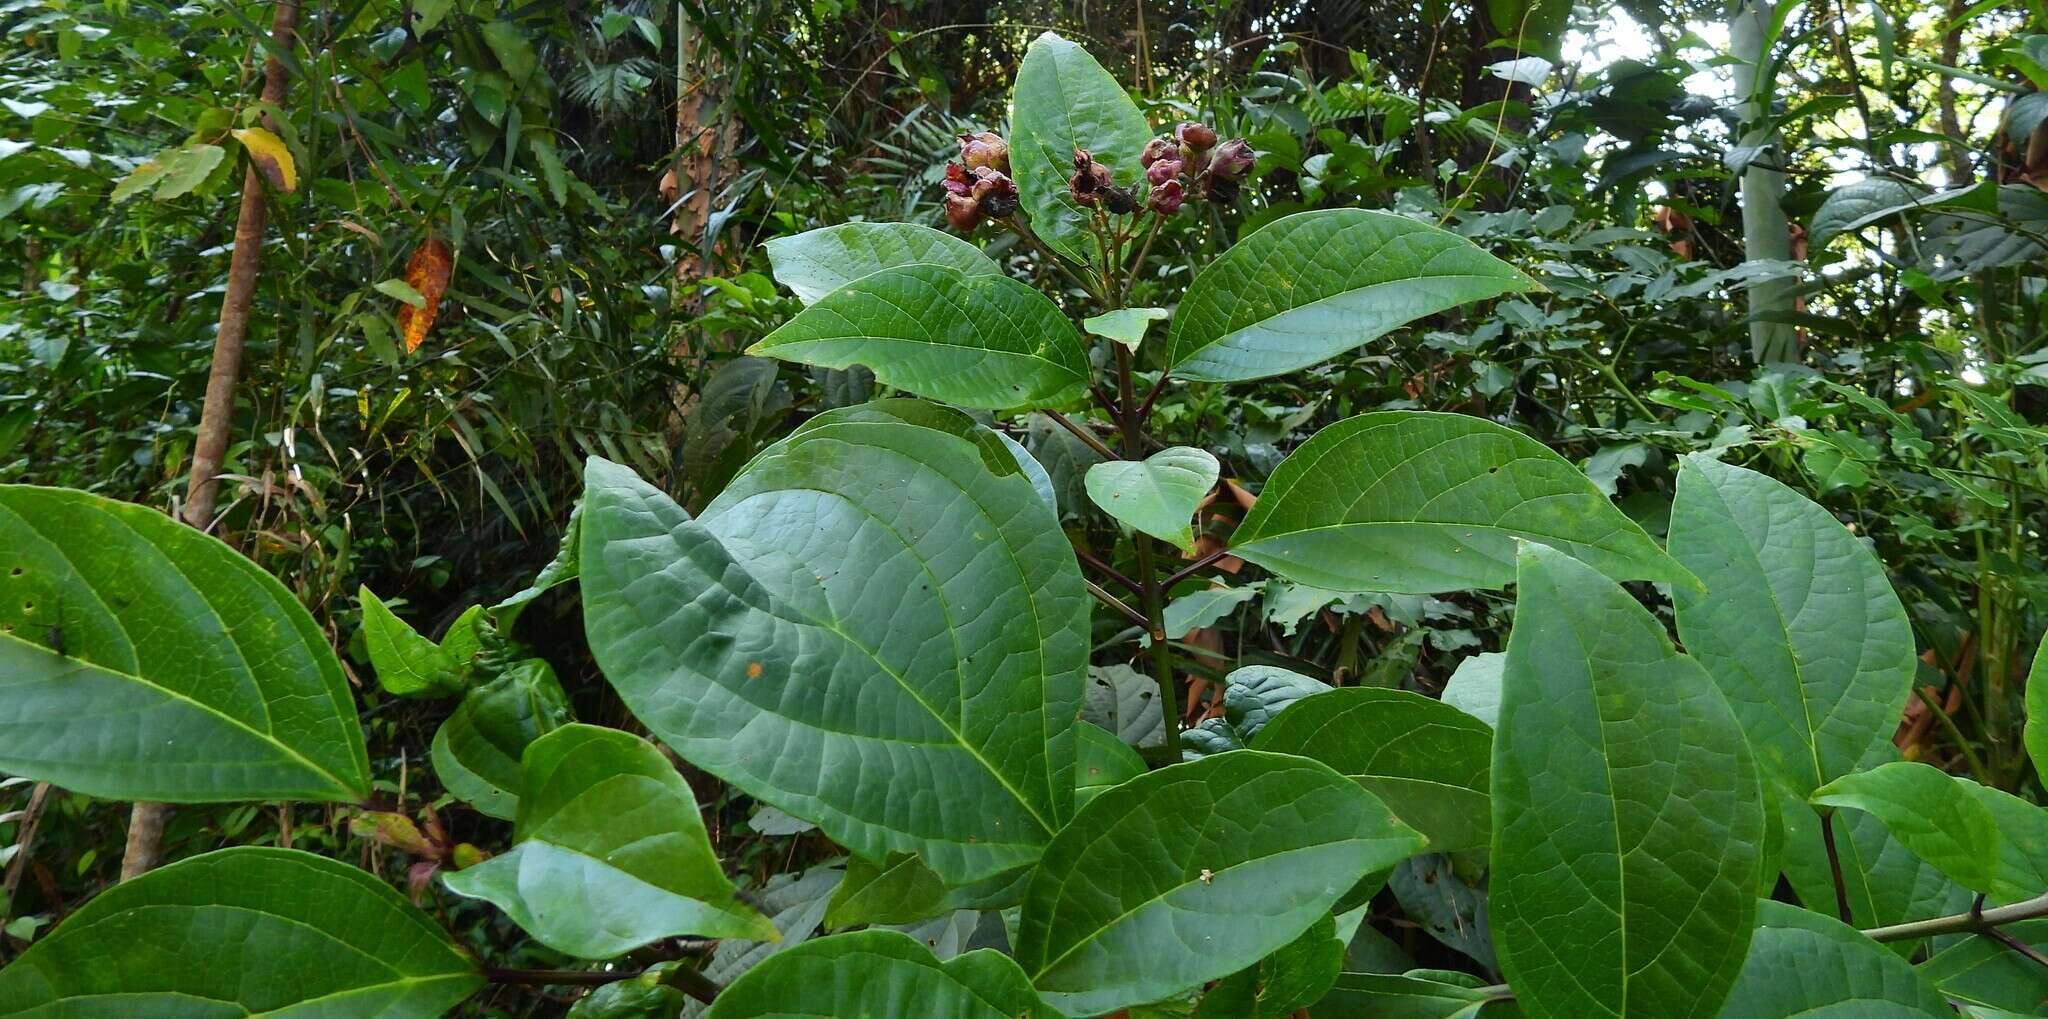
<point>427,272</point>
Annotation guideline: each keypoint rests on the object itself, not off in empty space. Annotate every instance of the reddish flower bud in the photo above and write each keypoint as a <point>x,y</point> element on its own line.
<point>1195,136</point>
<point>1166,198</point>
<point>963,212</point>
<point>994,193</point>
<point>1232,159</point>
<point>987,149</point>
<point>1090,178</point>
<point>1162,171</point>
<point>957,182</point>
<point>1158,149</point>
<point>1083,159</point>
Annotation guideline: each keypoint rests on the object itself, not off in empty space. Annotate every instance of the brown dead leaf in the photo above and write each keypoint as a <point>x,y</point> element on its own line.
<point>427,272</point>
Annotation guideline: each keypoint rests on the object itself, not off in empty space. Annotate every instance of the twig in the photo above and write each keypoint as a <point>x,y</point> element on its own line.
<point>1976,920</point>
<point>1094,562</point>
<point>1827,837</point>
<point>1118,604</point>
<point>1083,434</point>
<point>1192,568</point>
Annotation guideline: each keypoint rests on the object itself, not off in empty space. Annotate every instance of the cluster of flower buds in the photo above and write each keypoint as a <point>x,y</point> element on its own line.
<point>1190,163</point>
<point>1093,185</point>
<point>978,186</point>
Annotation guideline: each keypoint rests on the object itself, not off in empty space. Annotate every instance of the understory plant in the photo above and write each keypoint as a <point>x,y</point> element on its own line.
<point>879,627</point>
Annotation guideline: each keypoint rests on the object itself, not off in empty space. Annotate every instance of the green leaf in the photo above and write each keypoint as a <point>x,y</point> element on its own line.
<point>1295,977</point>
<point>400,290</point>
<point>640,997</point>
<point>2035,734</point>
<point>1125,702</point>
<point>1420,503</point>
<point>559,570</point>
<point>1853,206</point>
<point>609,852</point>
<point>879,973</point>
<point>1417,994</point>
<point>243,932</point>
<point>188,674</point>
<point>1475,687</point>
<point>902,890</point>
<point>817,262</point>
<point>738,409</point>
<point>407,664</point>
<point>983,341</point>
<point>1802,964</point>
<point>142,178</point>
<point>1626,809</point>
<point>1251,697</point>
<point>1102,762</point>
<point>1064,101</point>
<point>1886,883</point>
<point>1242,852</point>
<point>187,167</point>
<point>1204,608</point>
<point>1156,495</point>
<point>1427,761</point>
<point>1986,840</point>
<point>1797,625</point>
<point>1984,971</point>
<point>1304,288</point>
<point>1125,325</point>
<point>751,639</point>
<point>476,752</point>
<point>514,54</point>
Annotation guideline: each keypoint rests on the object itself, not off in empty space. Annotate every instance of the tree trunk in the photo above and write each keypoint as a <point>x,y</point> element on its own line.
<point>216,419</point>
<point>1766,235</point>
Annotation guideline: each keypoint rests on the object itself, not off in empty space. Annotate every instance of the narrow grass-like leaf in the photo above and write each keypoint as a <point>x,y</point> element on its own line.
<point>1419,503</point>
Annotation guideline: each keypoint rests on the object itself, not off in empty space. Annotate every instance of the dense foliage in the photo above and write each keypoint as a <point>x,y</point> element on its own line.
<point>1207,510</point>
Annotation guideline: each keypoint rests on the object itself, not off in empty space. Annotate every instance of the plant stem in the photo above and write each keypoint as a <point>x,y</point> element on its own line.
<point>1095,563</point>
<point>1083,434</point>
<point>1194,567</point>
<point>1974,921</point>
<point>1949,725</point>
<point>1827,837</point>
<point>1117,603</point>
<point>1152,592</point>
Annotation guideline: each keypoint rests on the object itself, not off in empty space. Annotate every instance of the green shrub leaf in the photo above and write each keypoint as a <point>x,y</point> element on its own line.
<point>879,973</point>
<point>1417,994</point>
<point>1626,810</point>
<point>814,263</point>
<point>1797,625</point>
<point>476,751</point>
<point>1064,100</point>
<point>983,341</point>
<point>753,641</point>
<point>407,663</point>
<point>1304,288</point>
<point>2035,733</point>
<point>1986,840</point>
<point>1427,761</point>
<point>1102,761</point>
<point>1420,503</point>
<point>187,673</point>
<point>1803,964</point>
<point>243,931</point>
<point>610,852</point>
<point>1156,495</point>
<point>1241,853</point>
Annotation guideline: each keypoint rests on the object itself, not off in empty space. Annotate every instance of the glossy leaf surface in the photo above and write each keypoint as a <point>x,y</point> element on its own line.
<point>816,262</point>
<point>879,973</point>
<point>1064,100</point>
<point>1805,965</point>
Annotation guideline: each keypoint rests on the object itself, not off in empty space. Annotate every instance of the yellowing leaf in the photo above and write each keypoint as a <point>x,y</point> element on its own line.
<point>427,273</point>
<point>271,157</point>
<point>140,179</point>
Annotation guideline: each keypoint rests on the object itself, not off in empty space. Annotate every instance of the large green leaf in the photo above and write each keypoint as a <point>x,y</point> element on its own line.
<point>243,932</point>
<point>1102,762</point>
<point>186,674</point>
<point>900,890</point>
<point>1295,977</point>
<point>2035,735</point>
<point>1886,883</point>
<point>879,974</point>
<point>1626,809</point>
<point>1156,495</point>
<point>476,751</point>
<point>1064,100</point>
<point>1418,503</point>
<point>1986,840</point>
<point>407,663</point>
<point>1307,287</point>
<point>1858,204</point>
<point>1427,761</point>
<point>877,627</point>
<point>816,262</point>
<point>1805,965</point>
<point>1252,696</point>
<point>1797,625</point>
<point>1193,872</point>
<point>1986,971</point>
<point>610,852</point>
<point>973,340</point>
<point>1417,994</point>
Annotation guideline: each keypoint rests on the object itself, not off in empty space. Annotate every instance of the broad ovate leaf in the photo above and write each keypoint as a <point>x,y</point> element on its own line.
<point>976,340</point>
<point>407,663</point>
<point>1156,495</point>
<point>817,262</point>
<point>1418,502</point>
<point>1193,872</point>
<point>1416,994</point>
<point>1886,883</point>
<point>1307,287</point>
<point>1293,978</point>
<point>1984,971</point>
<point>1797,624</point>
<point>477,750</point>
<point>1125,325</point>
<point>878,626</point>
<point>141,659</point>
<point>899,890</point>
<point>1427,761</point>
<point>1626,810</point>
<point>1803,965</point>
<point>1985,840</point>
<point>609,852</point>
<point>243,932</point>
<point>1064,101</point>
<point>879,973</point>
<point>1858,204</point>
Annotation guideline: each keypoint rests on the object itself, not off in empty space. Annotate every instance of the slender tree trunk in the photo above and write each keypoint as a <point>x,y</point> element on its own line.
<point>1945,98</point>
<point>1766,234</point>
<point>216,419</point>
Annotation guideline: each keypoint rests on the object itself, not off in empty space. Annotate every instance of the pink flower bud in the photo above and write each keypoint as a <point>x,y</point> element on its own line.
<point>1166,198</point>
<point>995,193</point>
<point>1232,159</point>
<point>963,212</point>
<point>957,182</point>
<point>1195,136</point>
<point>986,149</point>
<point>1162,171</point>
<point>1158,149</point>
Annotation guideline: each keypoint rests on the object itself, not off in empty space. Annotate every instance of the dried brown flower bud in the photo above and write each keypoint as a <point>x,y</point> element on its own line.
<point>1118,202</point>
<point>1195,136</point>
<point>1232,159</point>
<point>994,193</point>
<point>1158,149</point>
